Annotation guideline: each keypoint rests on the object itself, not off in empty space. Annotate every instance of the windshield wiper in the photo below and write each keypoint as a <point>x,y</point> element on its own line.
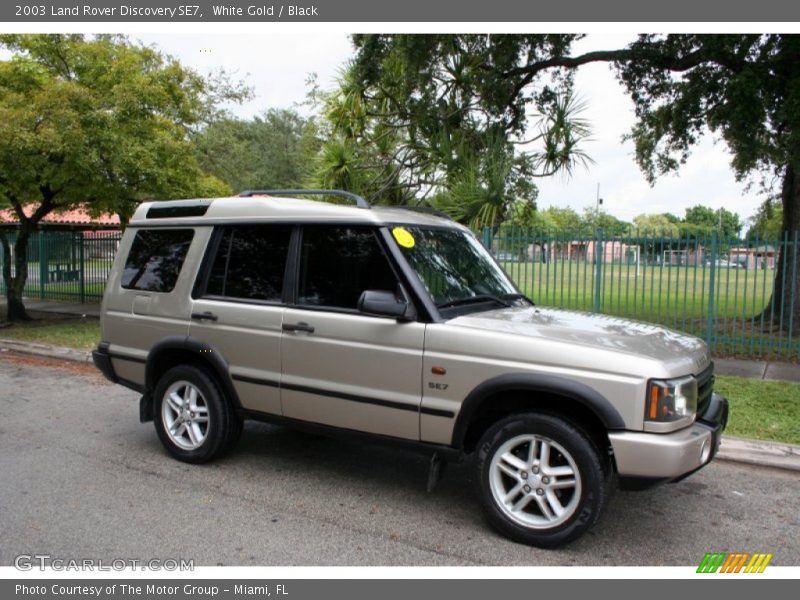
<point>513,297</point>
<point>504,300</point>
<point>480,298</point>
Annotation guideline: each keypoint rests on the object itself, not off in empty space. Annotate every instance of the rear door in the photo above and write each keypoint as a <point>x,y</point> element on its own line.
<point>239,308</point>
<point>341,367</point>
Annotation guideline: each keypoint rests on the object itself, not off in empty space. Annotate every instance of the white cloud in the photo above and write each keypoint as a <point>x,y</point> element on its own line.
<point>275,65</point>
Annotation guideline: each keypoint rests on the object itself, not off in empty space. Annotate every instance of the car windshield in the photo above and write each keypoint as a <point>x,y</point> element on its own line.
<point>455,268</point>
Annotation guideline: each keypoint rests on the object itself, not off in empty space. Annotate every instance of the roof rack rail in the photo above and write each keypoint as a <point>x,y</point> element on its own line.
<point>428,210</point>
<point>360,202</point>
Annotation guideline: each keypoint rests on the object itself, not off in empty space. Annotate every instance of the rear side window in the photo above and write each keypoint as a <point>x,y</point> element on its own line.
<point>155,259</point>
<point>250,263</point>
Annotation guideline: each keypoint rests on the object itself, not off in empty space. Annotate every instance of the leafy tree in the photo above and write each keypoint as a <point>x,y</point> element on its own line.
<point>705,220</point>
<point>523,213</point>
<point>663,224</point>
<point>595,219</point>
<point>547,219</point>
<point>98,122</point>
<point>447,128</point>
<point>562,219</point>
<point>275,150</point>
<point>768,221</point>
<point>567,220</point>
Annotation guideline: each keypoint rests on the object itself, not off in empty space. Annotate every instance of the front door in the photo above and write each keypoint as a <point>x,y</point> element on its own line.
<point>341,367</point>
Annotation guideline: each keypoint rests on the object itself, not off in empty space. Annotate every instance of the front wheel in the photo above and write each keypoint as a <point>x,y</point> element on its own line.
<point>540,479</point>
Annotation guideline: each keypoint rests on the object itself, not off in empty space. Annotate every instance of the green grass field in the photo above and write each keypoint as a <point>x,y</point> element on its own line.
<point>678,297</point>
<point>653,291</point>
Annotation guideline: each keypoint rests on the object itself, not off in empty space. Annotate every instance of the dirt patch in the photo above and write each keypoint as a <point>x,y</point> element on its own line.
<point>75,368</point>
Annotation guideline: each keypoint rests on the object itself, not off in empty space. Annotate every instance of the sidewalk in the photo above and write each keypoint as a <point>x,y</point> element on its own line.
<point>60,308</point>
<point>757,369</point>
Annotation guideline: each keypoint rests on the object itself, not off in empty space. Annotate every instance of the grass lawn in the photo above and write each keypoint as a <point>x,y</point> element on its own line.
<point>72,333</point>
<point>763,410</point>
<point>678,297</point>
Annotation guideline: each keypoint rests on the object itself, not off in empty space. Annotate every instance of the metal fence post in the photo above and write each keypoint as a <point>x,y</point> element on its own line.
<point>712,275</point>
<point>598,270</point>
<point>487,238</point>
<point>82,271</point>
<point>42,262</point>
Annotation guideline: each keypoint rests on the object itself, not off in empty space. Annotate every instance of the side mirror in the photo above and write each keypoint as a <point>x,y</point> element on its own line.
<point>382,303</point>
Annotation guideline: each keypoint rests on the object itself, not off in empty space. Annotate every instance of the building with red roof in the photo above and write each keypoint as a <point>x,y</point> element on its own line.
<point>75,219</point>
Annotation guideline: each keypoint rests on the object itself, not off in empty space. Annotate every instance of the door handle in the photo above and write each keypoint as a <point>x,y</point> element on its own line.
<point>301,326</point>
<point>204,315</point>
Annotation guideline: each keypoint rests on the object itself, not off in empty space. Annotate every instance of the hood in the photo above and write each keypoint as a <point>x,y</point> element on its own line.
<point>595,330</point>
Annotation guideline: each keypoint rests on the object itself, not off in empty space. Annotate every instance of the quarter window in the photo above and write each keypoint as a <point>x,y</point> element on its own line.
<point>337,264</point>
<point>250,263</point>
<point>155,259</point>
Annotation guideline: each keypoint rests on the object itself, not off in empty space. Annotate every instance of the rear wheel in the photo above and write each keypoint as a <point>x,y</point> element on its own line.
<point>540,479</point>
<point>193,418</point>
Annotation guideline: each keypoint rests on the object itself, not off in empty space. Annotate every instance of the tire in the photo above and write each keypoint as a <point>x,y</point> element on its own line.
<point>539,479</point>
<point>193,418</point>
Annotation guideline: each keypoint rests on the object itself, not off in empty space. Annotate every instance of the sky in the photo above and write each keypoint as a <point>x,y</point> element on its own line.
<point>277,66</point>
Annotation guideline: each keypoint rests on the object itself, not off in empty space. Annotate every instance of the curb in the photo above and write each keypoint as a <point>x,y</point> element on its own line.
<point>758,453</point>
<point>732,449</point>
<point>46,350</point>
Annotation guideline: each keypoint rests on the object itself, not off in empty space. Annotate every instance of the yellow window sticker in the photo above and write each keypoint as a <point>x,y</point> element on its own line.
<point>403,237</point>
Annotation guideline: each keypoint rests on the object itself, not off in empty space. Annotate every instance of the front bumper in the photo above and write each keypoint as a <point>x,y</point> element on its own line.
<point>669,456</point>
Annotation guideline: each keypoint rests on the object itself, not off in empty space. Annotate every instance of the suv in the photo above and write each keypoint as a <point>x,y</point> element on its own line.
<point>397,325</point>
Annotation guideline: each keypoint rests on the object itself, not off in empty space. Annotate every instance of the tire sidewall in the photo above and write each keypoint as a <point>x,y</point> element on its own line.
<point>582,451</point>
<point>216,434</point>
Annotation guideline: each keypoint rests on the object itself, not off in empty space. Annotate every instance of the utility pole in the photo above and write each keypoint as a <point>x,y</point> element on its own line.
<point>598,199</point>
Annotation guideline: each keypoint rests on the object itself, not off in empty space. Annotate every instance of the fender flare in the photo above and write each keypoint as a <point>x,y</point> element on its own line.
<point>206,353</point>
<point>530,382</point>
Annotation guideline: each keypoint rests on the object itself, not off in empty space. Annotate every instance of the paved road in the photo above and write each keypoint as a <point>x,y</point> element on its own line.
<point>82,478</point>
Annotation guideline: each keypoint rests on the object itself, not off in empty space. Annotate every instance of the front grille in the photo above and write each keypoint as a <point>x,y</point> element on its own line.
<point>705,387</point>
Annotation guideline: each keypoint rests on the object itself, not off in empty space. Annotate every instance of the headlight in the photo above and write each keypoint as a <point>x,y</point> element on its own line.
<point>671,404</point>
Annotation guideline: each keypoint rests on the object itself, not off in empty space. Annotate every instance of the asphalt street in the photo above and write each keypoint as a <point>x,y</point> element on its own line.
<point>80,477</point>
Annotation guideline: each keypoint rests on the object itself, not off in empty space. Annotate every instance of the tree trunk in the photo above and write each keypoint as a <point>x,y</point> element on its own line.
<point>15,311</point>
<point>783,309</point>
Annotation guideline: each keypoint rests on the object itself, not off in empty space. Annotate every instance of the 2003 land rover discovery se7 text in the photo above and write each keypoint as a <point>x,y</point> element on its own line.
<point>398,325</point>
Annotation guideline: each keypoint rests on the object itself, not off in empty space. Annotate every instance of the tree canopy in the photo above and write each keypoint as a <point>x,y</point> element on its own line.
<point>99,122</point>
<point>439,126</point>
<point>705,219</point>
<point>767,224</point>
<point>277,149</point>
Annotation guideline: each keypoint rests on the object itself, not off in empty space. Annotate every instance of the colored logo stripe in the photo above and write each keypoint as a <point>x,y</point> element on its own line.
<point>734,562</point>
<point>758,563</point>
<point>711,562</point>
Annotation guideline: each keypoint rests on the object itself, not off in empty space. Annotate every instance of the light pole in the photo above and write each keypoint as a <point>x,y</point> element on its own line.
<point>598,199</point>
